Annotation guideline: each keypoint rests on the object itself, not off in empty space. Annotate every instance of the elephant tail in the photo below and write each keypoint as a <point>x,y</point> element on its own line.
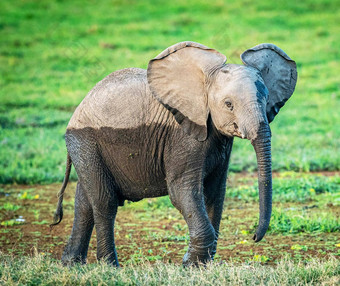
<point>58,215</point>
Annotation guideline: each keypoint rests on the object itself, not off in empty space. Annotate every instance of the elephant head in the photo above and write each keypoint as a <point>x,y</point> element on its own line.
<point>195,82</point>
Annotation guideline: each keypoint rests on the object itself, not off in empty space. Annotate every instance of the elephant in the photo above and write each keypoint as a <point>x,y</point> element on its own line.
<point>169,130</point>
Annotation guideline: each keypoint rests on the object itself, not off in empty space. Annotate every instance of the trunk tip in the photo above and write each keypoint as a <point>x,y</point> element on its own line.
<point>257,237</point>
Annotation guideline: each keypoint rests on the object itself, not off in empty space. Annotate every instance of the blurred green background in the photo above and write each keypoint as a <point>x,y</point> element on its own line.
<point>53,52</point>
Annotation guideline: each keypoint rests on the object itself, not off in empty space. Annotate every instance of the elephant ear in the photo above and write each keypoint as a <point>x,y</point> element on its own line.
<point>178,77</point>
<point>278,71</point>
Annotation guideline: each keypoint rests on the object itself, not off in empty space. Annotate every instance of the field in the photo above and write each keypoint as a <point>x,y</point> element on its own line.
<point>53,52</point>
<point>303,240</point>
<point>305,226</point>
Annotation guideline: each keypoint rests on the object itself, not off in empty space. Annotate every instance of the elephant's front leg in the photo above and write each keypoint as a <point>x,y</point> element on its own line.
<point>214,193</point>
<point>187,197</point>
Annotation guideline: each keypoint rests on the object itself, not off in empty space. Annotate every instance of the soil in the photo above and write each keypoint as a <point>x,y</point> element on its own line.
<point>147,231</point>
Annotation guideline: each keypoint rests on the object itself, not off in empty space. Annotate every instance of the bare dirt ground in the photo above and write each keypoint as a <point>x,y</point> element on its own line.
<point>147,230</point>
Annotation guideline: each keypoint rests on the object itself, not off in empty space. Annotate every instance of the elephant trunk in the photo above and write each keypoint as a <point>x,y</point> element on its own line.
<point>262,147</point>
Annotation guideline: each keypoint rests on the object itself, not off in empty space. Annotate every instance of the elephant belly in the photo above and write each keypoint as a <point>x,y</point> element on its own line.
<point>134,162</point>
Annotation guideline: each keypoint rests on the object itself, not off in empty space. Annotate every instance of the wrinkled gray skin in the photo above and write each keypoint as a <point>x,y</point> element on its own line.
<point>169,131</point>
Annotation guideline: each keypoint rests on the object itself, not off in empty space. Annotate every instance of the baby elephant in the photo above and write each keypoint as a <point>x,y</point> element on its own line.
<point>169,130</point>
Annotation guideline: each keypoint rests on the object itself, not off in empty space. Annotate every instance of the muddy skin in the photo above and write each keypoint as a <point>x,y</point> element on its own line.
<point>143,163</point>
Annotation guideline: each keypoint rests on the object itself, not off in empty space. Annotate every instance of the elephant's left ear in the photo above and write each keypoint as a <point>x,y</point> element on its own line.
<point>278,71</point>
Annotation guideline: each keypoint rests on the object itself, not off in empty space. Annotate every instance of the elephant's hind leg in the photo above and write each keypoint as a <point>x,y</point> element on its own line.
<point>100,189</point>
<point>104,200</point>
<point>77,246</point>
<point>105,210</point>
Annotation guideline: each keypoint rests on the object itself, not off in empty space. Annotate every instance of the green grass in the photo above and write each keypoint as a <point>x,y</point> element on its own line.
<point>49,61</point>
<point>292,187</point>
<point>9,207</point>
<point>41,270</point>
<point>283,221</point>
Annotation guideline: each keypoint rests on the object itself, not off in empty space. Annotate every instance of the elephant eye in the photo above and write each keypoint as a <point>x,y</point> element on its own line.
<point>229,105</point>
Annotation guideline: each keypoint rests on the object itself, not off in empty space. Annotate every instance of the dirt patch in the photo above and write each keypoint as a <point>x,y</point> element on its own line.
<point>146,230</point>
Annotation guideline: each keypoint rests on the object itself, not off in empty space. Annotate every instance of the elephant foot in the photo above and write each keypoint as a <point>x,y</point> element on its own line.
<point>110,258</point>
<point>68,259</point>
<point>198,256</point>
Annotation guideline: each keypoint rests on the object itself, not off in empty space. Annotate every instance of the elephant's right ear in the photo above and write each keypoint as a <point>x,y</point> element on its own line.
<point>178,77</point>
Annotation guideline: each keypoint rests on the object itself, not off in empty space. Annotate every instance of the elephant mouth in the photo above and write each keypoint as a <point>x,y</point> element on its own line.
<point>232,129</point>
<point>239,134</point>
